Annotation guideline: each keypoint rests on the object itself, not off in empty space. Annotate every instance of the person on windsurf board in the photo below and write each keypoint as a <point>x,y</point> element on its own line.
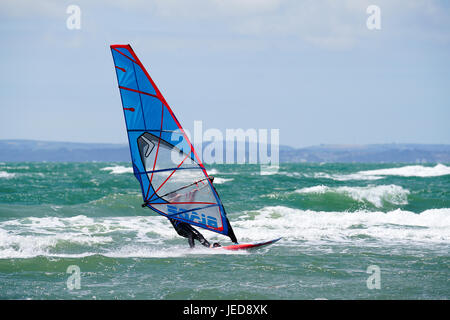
<point>187,231</point>
<point>180,190</point>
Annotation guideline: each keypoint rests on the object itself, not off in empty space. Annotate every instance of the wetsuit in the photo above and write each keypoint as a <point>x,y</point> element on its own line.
<point>186,230</point>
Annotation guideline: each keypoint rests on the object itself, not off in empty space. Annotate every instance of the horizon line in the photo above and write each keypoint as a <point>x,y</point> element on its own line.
<point>280,145</point>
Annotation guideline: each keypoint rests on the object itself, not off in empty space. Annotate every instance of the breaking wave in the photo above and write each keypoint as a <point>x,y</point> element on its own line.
<point>222,180</point>
<point>410,171</point>
<point>6,175</point>
<point>118,169</point>
<point>376,195</point>
<point>407,171</point>
<point>81,236</point>
<point>317,226</point>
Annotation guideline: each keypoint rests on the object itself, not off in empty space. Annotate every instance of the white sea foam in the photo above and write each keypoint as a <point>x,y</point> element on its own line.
<point>153,236</point>
<point>346,177</point>
<point>411,171</point>
<point>6,175</point>
<point>19,245</point>
<point>164,251</point>
<point>30,237</point>
<point>218,180</point>
<point>407,171</point>
<point>316,189</point>
<point>430,226</point>
<point>17,167</point>
<point>374,194</point>
<point>118,169</point>
<point>82,236</point>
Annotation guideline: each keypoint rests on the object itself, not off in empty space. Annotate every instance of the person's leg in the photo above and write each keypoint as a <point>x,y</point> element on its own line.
<point>187,231</point>
<point>200,238</point>
<point>191,241</point>
<point>204,242</point>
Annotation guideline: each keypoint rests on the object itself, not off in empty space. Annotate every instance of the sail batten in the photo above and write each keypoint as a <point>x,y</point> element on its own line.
<point>173,180</point>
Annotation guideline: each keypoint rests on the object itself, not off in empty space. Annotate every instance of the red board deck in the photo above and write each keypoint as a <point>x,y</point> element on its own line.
<point>248,245</point>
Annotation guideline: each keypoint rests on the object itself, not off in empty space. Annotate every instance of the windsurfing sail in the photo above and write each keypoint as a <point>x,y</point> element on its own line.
<point>174,182</point>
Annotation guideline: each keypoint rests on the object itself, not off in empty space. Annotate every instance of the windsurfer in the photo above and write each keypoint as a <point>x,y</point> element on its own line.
<point>186,230</point>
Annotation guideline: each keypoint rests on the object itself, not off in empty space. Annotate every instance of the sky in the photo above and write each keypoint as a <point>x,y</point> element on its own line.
<point>312,69</point>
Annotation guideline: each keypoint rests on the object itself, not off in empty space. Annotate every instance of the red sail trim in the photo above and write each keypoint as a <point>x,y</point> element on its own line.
<point>122,52</point>
<point>121,69</point>
<point>134,90</point>
<point>129,109</point>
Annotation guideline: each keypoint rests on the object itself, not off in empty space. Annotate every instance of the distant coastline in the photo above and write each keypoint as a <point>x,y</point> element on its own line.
<point>33,150</point>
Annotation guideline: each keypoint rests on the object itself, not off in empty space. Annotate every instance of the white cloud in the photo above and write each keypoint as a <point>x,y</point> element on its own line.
<point>28,8</point>
<point>324,23</point>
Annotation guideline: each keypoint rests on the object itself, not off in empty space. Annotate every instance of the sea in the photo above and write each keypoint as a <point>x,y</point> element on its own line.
<point>349,231</point>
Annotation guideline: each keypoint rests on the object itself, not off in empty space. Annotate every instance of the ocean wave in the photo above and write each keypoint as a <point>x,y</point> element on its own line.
<point>222,180</point>
<point>376,195</point>
<point>407,171</point>
<point>430,226</point>
<point>17,167</point>
<point>82,236</point>
<point>27,246</point>
<point>74,236</point>
<point>118,169</point>
<point>346,177</point>
<point>153,236</point>
<point>6,175</point>
<point>410,171</point>
<point>164,251</point>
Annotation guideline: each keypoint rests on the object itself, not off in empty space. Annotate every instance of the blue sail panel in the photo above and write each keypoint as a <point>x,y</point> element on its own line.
<point>124,66</point>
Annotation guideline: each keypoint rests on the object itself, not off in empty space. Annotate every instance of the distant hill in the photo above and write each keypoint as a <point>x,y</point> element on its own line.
<point>372,153</point>
<point>30,150</point>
